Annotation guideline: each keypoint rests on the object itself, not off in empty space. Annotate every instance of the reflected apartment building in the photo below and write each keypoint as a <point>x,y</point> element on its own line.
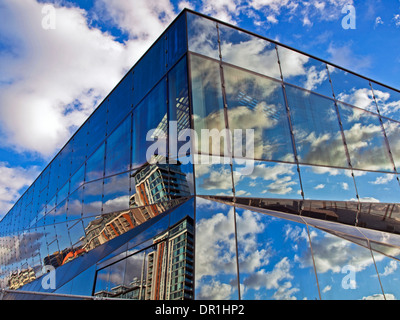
<point>321,201</point>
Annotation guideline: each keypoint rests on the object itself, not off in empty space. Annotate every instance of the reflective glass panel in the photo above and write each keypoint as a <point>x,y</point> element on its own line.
<point>259,179</point>
<point>377,187</point>
<point>202,36</point>
<point>249,52</point>
<point>275,261</point>
<point>216,271</point>
<point>388,101</point>
<point>63,239</point>
<point>76,234</point>
<point>176,40</point>
<point>179,113</point>
<point>150,126</point>
<point>149,69</point>
<point>116,193</point>
<point>118,147</point>
<point>120,102</point>
<point>365,140</point>
<point>345,270</point>
<point>352,89</point>
<point>392,130</point>
<point>316,129</point>
<point>75,204</point>
<point>322,183</point>
<point>257,103</point>
<point>78,144</point>
<point>208,108</point>
<point>77,179</point>
<point>213,176</point>
<point>95,165</point>
<point>379,216</point>
<point>92,198</point>
<point>304,72</point>
<point>97,128</point>
<point>388,274</point>
<point>61,212</point>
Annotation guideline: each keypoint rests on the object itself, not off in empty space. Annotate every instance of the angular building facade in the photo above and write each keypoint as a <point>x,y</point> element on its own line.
<point>223,166</point>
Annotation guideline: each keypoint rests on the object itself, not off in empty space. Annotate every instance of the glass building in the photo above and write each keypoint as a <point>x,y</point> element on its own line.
<point>293,194</point>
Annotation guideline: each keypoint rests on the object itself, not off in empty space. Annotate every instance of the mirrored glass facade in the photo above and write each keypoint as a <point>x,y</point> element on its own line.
<point>223,166</point>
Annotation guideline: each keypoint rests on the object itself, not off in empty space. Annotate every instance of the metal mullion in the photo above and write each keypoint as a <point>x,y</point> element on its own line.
<point>291,130</point>
<point>345,147</point>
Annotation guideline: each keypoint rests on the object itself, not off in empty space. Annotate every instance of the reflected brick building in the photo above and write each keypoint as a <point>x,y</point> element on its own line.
<point>321,198</point>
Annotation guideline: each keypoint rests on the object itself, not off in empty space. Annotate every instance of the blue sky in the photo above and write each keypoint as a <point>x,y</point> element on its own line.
<point>51,79</point>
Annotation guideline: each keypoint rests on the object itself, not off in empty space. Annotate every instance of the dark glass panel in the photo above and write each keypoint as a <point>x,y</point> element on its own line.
<point>78,144</point>
<point>118,147</point>
<point>150,127</point>
<point>120,102</point>
<point>379,216</point>
<point>345,212</point>
<point>176,40</point>
<point>95,165</point>
<point>257,103</point>
<point>179,113</point>
<point>149,70</point>
<point>97,128</point>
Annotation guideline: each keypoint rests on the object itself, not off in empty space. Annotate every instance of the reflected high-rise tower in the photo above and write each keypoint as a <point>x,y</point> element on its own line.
<point>316,199</point>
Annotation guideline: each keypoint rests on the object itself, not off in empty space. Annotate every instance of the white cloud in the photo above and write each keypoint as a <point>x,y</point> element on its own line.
<point>396,19</point>
<point>320,186</point>
<point>391,268</point>
<point>215,290</point>
<point>13,181</point>
<point>383,179</point>
<point>53,79</point>
<point>332,253</point>
<point>378,21</point>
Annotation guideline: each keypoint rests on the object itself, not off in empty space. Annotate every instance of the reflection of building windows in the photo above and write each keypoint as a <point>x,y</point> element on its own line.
<point>20,278</point>
<point>158,182</point>
<point>162,272</point>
